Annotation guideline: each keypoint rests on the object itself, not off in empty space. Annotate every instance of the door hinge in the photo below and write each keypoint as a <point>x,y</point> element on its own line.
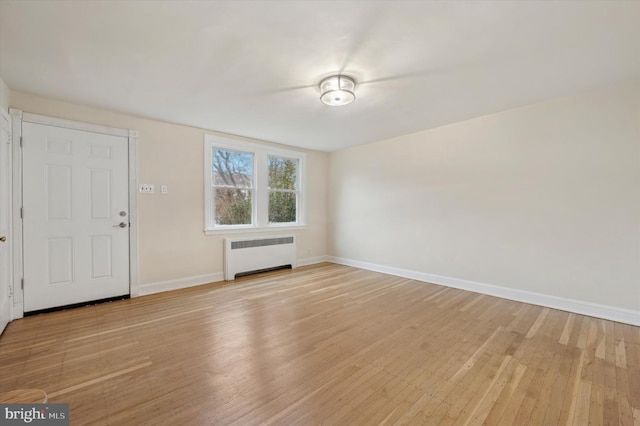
<point>22,284</point>
<point>20,141</point>
<point>21,212</point>
<point>10,290</point>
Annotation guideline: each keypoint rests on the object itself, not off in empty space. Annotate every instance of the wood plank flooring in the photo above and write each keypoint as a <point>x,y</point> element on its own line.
<point>326,344</point>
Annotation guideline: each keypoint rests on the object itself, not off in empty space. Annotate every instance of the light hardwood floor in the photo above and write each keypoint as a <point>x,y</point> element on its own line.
<point>326,344</point>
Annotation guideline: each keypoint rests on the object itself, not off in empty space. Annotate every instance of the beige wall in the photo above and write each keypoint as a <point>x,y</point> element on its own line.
<point>172,244</point>
<point>5,95</point>
<point>543,199</point>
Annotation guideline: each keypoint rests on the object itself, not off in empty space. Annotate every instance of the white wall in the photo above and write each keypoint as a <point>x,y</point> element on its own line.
<point>173,250</point>
<point>543,199</point>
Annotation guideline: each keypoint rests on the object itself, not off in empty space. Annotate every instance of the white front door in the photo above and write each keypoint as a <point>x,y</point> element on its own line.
<point>76,216</point>
<point>5,260</point>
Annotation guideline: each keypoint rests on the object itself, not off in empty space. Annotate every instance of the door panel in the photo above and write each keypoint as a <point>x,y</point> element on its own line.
<point>5,243</point>
<point>75,186</point>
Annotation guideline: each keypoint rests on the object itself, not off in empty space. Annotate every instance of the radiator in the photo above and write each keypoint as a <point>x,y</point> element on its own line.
<point>254,254</point>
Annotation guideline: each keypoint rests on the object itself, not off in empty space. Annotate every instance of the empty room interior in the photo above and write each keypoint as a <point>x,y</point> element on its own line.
<point>308,212</point>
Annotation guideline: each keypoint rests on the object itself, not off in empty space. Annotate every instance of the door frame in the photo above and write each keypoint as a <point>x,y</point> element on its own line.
<point>17,118</point>
<point>10,289</point>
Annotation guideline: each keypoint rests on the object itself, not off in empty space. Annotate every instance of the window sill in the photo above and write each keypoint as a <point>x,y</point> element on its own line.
<point>272,228</point>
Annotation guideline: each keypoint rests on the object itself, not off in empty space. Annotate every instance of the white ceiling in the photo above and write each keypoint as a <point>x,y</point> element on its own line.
<point>252,68</point>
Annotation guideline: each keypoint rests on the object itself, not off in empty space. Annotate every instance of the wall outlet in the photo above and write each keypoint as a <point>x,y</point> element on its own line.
<point>163,189</point>
<point>146,188</point>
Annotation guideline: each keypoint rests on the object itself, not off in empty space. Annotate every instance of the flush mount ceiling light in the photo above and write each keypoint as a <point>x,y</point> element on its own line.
<point>337,90</point>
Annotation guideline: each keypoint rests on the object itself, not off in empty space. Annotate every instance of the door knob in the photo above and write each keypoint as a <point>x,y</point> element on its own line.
<point>3,238</point>
<point>120,225</point>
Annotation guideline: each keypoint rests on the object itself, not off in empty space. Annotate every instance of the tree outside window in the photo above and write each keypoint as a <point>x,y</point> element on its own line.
<point>233,186</point>
<point>283,189</point>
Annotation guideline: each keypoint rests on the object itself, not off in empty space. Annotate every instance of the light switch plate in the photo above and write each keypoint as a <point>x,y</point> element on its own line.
<point>146,188</point>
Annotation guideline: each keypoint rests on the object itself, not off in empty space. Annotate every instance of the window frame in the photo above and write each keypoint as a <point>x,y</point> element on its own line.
<point>260,202</point>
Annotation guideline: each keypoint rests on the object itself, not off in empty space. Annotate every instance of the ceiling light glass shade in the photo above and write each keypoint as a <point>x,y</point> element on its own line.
<point>337,90</point>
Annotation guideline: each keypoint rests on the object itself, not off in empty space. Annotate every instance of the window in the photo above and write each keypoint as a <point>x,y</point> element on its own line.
<point>251,187</point>
<point>233,187</point>
<point>283,189</point>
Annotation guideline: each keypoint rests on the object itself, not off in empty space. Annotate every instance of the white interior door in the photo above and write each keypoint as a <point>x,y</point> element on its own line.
<point>76,216</point>
<point>5,259</point>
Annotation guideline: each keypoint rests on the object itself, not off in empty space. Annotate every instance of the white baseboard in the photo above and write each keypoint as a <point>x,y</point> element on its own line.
<point>626,316</point>
<point>176,284</point>
<point>312,260</point>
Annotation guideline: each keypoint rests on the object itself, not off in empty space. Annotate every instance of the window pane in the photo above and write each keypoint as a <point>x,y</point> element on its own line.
<point>283,173</point>
<point>233,206</point>
<point>232,168</point>
<point>282,207</point>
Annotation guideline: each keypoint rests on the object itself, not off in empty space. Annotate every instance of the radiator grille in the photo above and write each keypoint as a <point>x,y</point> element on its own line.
<point>261,243</point>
